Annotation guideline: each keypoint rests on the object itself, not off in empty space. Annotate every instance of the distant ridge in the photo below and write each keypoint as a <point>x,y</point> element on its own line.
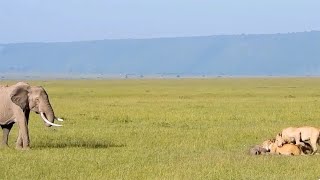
<point>292,54</point>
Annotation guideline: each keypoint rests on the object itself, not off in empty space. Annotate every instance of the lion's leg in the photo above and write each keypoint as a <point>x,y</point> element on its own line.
<point>297,139</point>
<point>313,143</point>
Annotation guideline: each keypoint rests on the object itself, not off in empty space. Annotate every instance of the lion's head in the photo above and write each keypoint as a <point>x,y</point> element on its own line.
<point>268,143</point>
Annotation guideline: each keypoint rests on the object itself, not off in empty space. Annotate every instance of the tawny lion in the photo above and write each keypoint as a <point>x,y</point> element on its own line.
<point>286,149</point>
<point>299,136</point>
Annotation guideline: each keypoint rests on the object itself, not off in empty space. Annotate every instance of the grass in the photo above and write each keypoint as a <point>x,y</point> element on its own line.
<point>167,129</point>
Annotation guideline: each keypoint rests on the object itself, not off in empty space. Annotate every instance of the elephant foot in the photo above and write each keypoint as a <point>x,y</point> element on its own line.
<point>4,146</point>
<point>26,148</point>
<point>19,147</point>
<point>22,148</point>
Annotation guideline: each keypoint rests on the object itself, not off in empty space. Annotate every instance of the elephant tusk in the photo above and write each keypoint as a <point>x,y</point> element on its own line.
<point>59,119</point>
<point>47,121</point>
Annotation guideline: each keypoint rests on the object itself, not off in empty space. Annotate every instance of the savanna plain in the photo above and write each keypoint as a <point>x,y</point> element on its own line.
<point>166,129</point>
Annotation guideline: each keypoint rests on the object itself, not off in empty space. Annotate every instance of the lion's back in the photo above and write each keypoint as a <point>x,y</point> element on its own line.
<point>289,149</point>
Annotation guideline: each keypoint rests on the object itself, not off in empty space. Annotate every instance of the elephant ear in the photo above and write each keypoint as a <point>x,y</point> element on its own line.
<point>19,96</point>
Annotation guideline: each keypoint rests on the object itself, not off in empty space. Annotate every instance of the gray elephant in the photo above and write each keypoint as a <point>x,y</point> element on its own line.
<point>16,102</point>
<point>257,150</point>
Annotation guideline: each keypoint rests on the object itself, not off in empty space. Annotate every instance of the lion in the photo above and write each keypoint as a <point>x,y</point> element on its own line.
<point>299,136</point>
<point>286,149</point>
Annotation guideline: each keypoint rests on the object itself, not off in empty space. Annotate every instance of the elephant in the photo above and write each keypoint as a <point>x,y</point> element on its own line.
<point>16,102</point>
<point>257,150</point>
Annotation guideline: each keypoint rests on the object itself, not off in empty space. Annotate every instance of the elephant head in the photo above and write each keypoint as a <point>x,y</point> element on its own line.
<point>34,98</point>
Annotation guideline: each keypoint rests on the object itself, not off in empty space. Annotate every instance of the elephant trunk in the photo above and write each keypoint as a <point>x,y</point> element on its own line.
<point>47,113</point>
<point>50,115</point>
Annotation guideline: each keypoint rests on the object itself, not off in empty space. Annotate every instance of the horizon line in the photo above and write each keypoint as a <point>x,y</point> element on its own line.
<point>160,37</point>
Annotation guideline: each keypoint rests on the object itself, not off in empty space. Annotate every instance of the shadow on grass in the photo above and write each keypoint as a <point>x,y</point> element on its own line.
<point>77,143</point>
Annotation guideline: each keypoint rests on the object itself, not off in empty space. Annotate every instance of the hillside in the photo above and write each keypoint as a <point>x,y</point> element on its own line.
<point>276,54</point>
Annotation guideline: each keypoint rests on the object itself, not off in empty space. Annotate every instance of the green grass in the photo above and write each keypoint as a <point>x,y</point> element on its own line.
<point>167,129</point>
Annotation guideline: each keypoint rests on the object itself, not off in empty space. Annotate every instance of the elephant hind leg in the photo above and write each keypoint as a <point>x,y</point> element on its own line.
<point>6,130</point>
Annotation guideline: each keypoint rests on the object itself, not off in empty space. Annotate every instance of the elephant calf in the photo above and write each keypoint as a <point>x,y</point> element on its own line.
<point>257,150</point>
<point>16,102</point>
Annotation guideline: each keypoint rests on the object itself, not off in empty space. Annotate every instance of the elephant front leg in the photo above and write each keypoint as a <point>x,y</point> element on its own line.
<point>19,143</point>
<point>23,138</point>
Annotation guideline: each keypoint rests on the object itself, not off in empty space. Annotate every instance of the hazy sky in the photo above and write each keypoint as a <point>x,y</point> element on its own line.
<point>75,20</point>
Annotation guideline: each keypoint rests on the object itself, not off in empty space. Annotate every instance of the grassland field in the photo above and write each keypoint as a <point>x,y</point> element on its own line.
<point>167,129</point>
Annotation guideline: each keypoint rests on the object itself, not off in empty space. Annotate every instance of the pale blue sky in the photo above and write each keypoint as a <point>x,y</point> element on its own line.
<point>76,20</point>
